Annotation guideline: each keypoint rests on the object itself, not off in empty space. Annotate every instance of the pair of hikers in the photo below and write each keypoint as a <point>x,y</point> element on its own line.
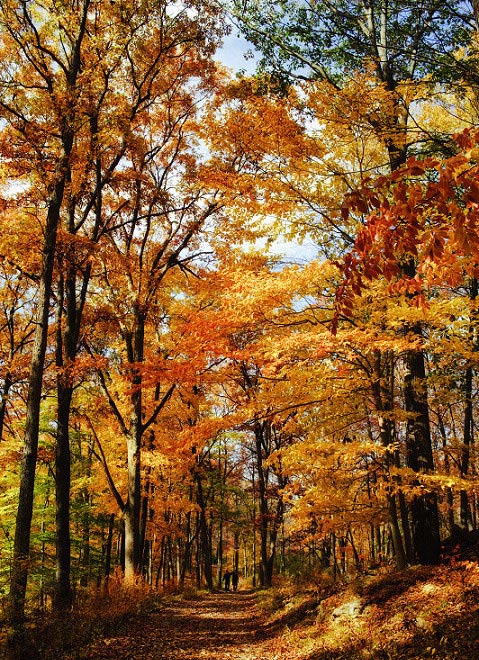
<point>231,577</point>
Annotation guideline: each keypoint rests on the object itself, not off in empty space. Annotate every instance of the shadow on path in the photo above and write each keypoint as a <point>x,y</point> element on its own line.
<point>214,626</point>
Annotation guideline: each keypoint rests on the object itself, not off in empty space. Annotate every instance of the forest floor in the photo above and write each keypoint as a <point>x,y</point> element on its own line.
<point>420,613</point>
<point>417,614</point>
<point>213,626</point>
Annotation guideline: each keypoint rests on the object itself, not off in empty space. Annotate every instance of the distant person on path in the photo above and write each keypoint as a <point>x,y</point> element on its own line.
<point>234,580</point>
<point>227,578</point>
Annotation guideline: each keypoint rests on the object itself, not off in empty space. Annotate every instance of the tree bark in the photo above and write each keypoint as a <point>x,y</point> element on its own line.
<point>468,430</point>
<point>259,432</point>
<point>383,401</point>
<point>204,532</point>
<point>424,509</point>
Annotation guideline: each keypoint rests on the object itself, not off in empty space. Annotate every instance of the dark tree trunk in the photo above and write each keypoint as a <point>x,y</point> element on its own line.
<point>424,509</point>
<point>27,479</point>
<point>186,563</point>
<point>468,431</point>
<point>269,522</point>
<point>7,384</point>
<point>383,401</point>
<point>143,525</point>
<point>62,490</point>
<point>262,474</point>
<point>204,532</point>
<point>109,541</point>
<point>135,347</point>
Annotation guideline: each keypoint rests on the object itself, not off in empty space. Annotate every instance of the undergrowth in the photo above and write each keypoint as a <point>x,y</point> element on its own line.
<point>416,614</point>
<point>47,635</point>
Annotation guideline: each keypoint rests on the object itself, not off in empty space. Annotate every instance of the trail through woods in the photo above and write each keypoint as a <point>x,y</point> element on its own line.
<point>224,626</point>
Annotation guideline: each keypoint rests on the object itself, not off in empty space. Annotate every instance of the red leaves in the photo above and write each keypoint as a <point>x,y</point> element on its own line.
<point>471,194</point>
<point>428,210</point>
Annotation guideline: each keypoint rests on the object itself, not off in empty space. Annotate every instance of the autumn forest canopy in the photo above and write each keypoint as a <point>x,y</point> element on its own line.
<point>177,398</point>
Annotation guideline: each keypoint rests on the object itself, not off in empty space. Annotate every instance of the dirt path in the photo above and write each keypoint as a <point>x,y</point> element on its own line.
<point>225,626</point>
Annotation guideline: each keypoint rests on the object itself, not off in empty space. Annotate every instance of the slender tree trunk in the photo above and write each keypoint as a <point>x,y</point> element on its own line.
<point>465,514</point>
<point>220,553</point>
<point>468,431</point>
<point>186,564</point>
<point>109,541</point>
<point>396,537</point>
<point>263,505</point>
<point>62,490</point>
<point>273,540</point>
<point>254,526</point>
<point>135,345</point>
<point>159,566</point>
<point>144,523</point>
<point>383,400</point>
<point>131,512</point>
<point>447,470</point>
<point>198,553</point>
<point>403,507</point>
<point>7,384</point>
<point>236,550</point>
<point>85,556</point>
<point>204,532</point>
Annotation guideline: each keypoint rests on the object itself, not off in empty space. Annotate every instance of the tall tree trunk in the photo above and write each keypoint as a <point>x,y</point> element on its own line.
<point>21,548</point>
<point>468,431</point>
<point>189,538</point>
<point>135,346</point>
<point>27,477</point>
<point>220,553</point>
<point>109,539</point>
<point>273,540</point>
<point>253,516</point>
<point>131,513</point>
<point>424,509</point>
<point>144,545</point>
<point>205,554</point>
<point>62,492</point>
<point>465,515</point>
<point>383,401</point>
<point>69,314</point>
<point>269,525</point>
<point>263,504</point>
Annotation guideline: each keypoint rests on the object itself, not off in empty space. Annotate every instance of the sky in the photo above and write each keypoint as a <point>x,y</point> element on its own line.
<point>232,55</point>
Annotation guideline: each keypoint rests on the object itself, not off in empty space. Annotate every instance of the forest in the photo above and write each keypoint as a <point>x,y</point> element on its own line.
<point>239,313</point>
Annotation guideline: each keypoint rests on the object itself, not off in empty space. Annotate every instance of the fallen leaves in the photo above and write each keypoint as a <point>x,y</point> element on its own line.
<point>217,627</point>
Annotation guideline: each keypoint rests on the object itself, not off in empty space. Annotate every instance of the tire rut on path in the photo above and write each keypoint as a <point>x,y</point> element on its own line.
<point>212,627</point>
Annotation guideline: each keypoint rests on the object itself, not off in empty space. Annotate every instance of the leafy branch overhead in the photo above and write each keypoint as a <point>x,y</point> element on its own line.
<point>426,211</point>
